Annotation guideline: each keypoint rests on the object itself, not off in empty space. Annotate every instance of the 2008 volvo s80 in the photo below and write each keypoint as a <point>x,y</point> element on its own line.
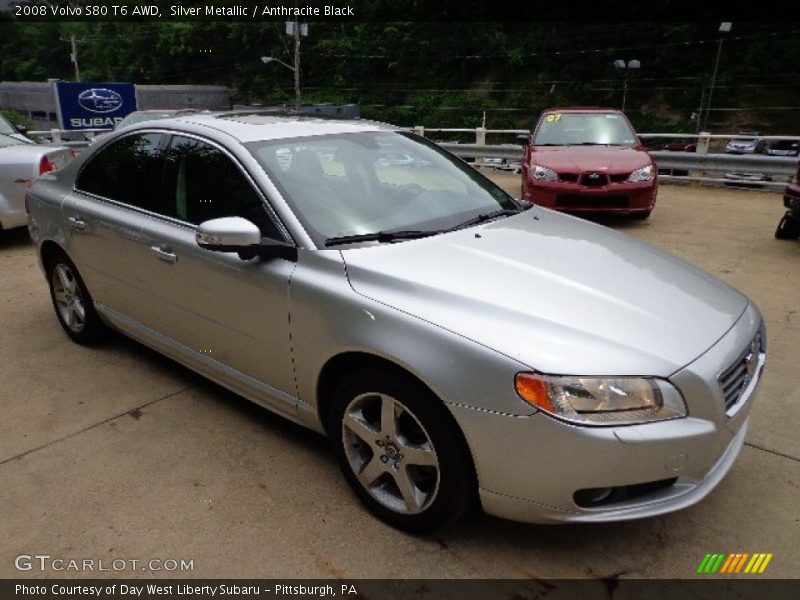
<point>458,348</point>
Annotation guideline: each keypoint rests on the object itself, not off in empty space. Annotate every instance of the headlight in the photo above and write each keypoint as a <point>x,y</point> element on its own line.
<point>602,401</point>
<point>541,173</point>
<point>643,174</point>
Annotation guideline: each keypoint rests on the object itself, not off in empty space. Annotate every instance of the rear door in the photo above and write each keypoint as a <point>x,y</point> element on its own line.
<point>114,189</point>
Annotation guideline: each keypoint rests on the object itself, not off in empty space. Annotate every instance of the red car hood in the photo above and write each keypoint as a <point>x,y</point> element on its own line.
<point>578,159</point>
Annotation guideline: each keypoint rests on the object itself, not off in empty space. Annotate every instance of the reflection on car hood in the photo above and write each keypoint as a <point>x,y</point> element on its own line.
<point>554,292</point>
<point>578,159</point>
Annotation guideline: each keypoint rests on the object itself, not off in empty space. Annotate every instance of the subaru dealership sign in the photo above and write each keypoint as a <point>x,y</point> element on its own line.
<point>93,105</point>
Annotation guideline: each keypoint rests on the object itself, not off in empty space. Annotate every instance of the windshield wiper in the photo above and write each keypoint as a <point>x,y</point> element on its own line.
<point>483,217</point>
<point>381,236</point>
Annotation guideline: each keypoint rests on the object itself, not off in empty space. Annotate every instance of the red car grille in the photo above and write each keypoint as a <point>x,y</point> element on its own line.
<point>594,179</point>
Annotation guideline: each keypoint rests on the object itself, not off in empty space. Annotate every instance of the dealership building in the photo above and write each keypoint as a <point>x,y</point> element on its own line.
<point>38,102</point>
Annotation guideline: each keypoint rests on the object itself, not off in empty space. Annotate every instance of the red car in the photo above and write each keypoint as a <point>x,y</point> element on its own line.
<point>588,160</point>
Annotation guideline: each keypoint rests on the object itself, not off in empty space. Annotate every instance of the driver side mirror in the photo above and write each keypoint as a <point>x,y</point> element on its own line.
<point>22,129</point>
<point>235,234</point>
<point>522,139</point>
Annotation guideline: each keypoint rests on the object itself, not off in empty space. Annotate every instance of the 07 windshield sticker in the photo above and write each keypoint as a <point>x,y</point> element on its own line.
<point>553,118</point>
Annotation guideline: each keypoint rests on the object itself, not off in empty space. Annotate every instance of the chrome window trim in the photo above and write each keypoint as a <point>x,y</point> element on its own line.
<point>287,236</point>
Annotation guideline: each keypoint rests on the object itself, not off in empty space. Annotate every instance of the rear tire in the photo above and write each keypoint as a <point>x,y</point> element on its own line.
<point>72,302</point>
<point>641,216</point>
<point>401,451</point>
<point>788,228</point>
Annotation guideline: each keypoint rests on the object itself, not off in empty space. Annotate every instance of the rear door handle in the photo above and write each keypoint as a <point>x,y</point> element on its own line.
<point>77,223</point>
<point>164,253</point>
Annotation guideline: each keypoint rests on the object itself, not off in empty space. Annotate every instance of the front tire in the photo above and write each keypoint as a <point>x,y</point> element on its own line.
<point>401,451</point>
<point>788,228</point>
<point>641,216</point>
<point>72,302</point>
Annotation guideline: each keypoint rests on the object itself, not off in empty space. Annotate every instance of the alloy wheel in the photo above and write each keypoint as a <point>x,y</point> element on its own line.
<point>390,453</point>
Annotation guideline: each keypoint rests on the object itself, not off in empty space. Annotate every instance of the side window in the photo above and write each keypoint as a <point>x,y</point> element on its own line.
<point>129,170</point>
<point>205,184</point>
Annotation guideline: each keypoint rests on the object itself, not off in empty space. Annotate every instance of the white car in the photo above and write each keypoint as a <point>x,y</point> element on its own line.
<point>20,164</point>
<point>11,130</point>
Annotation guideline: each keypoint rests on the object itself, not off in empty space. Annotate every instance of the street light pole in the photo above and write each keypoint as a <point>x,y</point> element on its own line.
<point>626,67</point>
<point>723,28</point>
<point>268,59</point>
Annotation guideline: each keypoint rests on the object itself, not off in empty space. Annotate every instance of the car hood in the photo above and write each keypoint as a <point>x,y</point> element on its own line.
<point>556,293</point>
<point>578,159</point>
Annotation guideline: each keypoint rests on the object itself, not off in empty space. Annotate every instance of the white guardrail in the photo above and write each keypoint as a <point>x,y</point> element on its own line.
<point>772,172</point>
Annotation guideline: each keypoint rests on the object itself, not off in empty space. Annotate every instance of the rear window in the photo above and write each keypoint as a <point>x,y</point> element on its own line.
<point>128,170</point>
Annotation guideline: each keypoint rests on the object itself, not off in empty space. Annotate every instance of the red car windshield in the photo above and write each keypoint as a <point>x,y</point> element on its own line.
<point>584,129</point>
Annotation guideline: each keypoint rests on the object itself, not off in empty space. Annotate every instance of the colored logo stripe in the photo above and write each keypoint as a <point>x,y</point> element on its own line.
<point>734,563</point>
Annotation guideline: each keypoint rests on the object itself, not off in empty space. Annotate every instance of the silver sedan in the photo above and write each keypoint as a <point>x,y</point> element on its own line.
<point>459,348</point>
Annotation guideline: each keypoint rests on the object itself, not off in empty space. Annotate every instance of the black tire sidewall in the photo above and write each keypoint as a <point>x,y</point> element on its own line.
<point>457,486</point>
<point>788,228</point>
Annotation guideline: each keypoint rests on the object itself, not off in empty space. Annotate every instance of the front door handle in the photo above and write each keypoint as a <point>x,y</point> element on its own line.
<point>164,253</point>
<point>77,223</point>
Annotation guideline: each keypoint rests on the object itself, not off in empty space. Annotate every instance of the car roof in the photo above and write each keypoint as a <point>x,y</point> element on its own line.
<point>258,126</point>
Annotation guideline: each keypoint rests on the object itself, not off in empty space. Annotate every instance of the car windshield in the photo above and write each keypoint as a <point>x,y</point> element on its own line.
<point>582,128</point>
<point>9,141</point>
<point>382,181</point>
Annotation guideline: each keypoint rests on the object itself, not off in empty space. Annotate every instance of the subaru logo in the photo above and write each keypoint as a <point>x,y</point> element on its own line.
<point>99,100</point>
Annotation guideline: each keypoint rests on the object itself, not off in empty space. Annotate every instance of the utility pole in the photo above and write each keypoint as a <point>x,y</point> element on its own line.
<point>297,65</point>
<point>73,57</point>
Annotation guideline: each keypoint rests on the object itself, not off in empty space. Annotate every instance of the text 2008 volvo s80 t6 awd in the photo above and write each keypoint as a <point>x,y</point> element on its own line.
<point>457,348</point>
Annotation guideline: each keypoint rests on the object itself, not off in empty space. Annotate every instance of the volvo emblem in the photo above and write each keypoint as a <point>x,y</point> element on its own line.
<point>99,100</point>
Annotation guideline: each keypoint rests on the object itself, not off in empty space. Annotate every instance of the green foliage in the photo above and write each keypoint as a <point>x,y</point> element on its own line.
<point>16,118</point>
<point>442,74</point>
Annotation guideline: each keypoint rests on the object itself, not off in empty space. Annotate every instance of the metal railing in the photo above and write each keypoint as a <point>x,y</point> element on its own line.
<point>700,166</point>
<point>59,136</point>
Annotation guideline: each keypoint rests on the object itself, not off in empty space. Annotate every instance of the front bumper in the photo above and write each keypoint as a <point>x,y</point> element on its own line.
<point>530,468</point>
<point>621,197</point>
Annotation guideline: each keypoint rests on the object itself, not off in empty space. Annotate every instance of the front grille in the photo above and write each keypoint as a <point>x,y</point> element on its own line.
<point>570,177</point>
<point>594,179</point>
<point>735,378</point>
<point>619,177</point>
<point>599,202</point>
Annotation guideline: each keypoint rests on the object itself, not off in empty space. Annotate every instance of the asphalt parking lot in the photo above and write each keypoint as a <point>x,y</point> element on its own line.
<point>115,452</point>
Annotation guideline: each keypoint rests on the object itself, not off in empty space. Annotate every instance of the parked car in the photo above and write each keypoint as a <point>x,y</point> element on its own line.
<point>789,225</point>
<point>588,160</point>
<point>784,148</point>
<point>746,179</point>
<point>678,145</point>
<point>681,145</point>
<point>20,163</point>
<point>456,347</point>
<point>749,143</point>
<point>15,131</point>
